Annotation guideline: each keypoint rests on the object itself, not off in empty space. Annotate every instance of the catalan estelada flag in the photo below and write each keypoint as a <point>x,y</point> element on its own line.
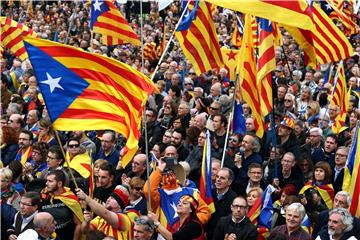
<point>266,64</point>
<point>351,182</point>
<point>293,13</point>
<point>326,192</point>
<point>265,217</point>
<point>107,20</point>
<point>80,163</point>
<point>238,33</point>
<point>85,91</point>
<point>340,97</point>
<point>247,75</point>
<point>11,36</point>
<point>205,179</point>
<point>231,58</point>
<point>198,39</point>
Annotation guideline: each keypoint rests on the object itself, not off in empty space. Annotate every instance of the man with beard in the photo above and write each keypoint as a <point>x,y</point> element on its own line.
<point>330,145</point>
<point>63,205</point>
<point>105,184</point>
<point>110,219</point>
<point>232,150</point>
<point>25,149</point>
<point>177,139</point>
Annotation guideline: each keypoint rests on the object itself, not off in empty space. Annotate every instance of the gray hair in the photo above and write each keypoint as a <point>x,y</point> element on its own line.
<point>256,145</point>
<point>297,207</point>
<point>146,222</point>
<point>346,217</point>
<point>345,194</point>
<point>290,154</point>
<point>317,130</point>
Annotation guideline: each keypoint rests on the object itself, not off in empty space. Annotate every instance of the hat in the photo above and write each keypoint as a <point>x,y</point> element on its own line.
<point>288,122</point>
<point>120,198</point>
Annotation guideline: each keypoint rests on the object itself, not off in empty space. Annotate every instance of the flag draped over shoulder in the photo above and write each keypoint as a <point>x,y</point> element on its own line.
<point>205,180</point>
<point>266,64</point>
<point>231,58</point>
<point>293,13</point>
<point>351,182</point>
<point>198,39</point>
<point>247,75</point>
<point>11,37</point>
<point>107,20</point>
<point>85,91</point>
<point>326,192</point>
<point>72,202</point>
<point>340,98</point>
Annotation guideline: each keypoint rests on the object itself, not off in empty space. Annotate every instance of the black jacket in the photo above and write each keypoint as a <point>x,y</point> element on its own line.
<point>243,230</point>
<point>337,184</point>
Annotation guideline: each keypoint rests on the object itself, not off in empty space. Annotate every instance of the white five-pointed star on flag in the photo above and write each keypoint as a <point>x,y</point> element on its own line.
<point>173,205</point>
<point>52,82</point>
<point>97,5</point>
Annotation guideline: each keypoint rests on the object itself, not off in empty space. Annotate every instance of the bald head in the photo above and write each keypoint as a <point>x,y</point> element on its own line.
<point>42,219</point>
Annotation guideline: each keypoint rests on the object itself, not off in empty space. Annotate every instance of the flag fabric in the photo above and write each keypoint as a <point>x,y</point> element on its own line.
<point>306,224</point>
<point>255,31</point>
<point>340,98</point>
<point>150,51</point>
<point>205,179</point>
<point>72,202</point>
<point>85,91</point>
<point>198,39</point>
<point>239,125</point>
<point>247,76</point>
<point>265,217</point>
<point>278,38</point>
<point>162,44</point>
<point>11,37</point>
<point>163,4</point>
<point>238,33</point>
<point>351,182</point>
<point>24,157</point>
<point>231,58</point>
<point>326,192</point>
<point>107,20</point>
<point>80,163</point>
<point>294,13</point>
<point>254,212</point>
<point>266,64</point>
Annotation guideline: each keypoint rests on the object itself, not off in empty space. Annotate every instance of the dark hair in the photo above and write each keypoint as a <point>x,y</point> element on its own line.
<point>254,165</point>
<point>29,133</point>
<point>106,166</point>
<point>59,176</point>
<point>34,196</point>
<point>327,169</point>
<point>43,148</point>
<point>73,139</point>
<point>176,89</point>
<point>95,235</point>
<point>182,132</point>
<point>57,151</point>
<point>223,119</point>
<point>17,168</point>
<point>333,136</point>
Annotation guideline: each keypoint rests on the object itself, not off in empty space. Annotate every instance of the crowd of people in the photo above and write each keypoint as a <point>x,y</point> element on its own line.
<point>65,185</point>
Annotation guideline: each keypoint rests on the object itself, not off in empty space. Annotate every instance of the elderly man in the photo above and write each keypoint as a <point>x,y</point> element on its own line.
<point>44,224</point>
<point>294,215</point>
<point>144,228</point>
<point>339,227</point>
<point>237,225</point>
<point>315,146</point>
<point>338,171</point>
<point>108,150</point>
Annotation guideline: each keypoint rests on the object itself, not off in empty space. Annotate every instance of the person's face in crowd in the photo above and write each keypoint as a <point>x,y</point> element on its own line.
<point>217,124</point>
<point>251,197</point>
<point>31,117</point>
<point>140,233</point>
<point>305,95</point>
<point>74,147</point>
<point>324,121</point>
<point>281,91</point>
<point>170,152</point>
<point>32,81</point>
<point>104,179</point>
<point>197,92</point>
<point>330,145</point>
<point>24,141</point>
<point>36,155</point>
<point>183,207</point>
<point>107,142</point>
<point>282,198</point>
<point>214,90</point>
<point>305,166</point>
<point>321,83</point>
<point>319,174</point>
<point>222,180</point>
<point>167,109</point>
<point>255,175</point>
<point>26,207</point>
<point>156,151</point>
<point>111,204</point>
<point>340,201</point>
<point>297,130</point>
<point>188,86</point>
<point>175,79</point>
<point>139,164</point>
<point>234,142</point>
<point>332,111</point>
<point>288,102</point>
<point>177,123</point>
<point>176,139</point>
<point>248,143</point>
<point>249,124</point>
<point>287,163</point>
<point>48,229</point>
<point>353,119</point>
<point>239,208</point>
<point>199,121</point>
<point>52,161</point>
<point>167,138</point>
<point>293,219</point>
<point>308,76</point>
<point>201,139</point>
<point>51,184</point>
<point>43,131</point>
<point>335,225</point>
<point>150,116</point>
<point>315,138</point>
<point>340,157</point>
<point>246,109</point>
<point>215,167</point>
<point>182,110</point>
<point>352,82</point>
<point>136,191</point>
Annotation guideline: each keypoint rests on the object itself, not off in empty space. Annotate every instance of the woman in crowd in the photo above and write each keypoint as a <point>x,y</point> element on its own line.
<point>136,197</point>
<point>188,227</point>
<point>33,169</point>
<point>167,117</point>
<point>9,194</point>
<point>8,144</point>
<point>303,101</point>
<point>307,168</point>
<point>254,202</point>
<point>46,132</point>
<point>312,114</point>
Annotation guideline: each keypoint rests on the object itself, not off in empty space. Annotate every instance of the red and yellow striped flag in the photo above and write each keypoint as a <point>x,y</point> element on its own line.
<point>340,98</point>
<point>231,58</point>
<point>198,39</point>
<point>348,24</point>
<point>247,73</point>
<point>236,38</point>
<point>11,37</point>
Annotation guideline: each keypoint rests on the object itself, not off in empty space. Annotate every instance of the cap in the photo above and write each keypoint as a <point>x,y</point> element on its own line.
<point>288,122</point>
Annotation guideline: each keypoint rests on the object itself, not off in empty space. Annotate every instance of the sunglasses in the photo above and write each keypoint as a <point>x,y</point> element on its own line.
<point>192,73</point>
<point>188,84</point>
<point>233,140</point>
<point>212,108</point>
<point>138,188</point>
<point>74,145</point>
<point>288,100</point>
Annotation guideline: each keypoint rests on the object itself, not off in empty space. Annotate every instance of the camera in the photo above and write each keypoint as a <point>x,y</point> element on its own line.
<point>170,161</point>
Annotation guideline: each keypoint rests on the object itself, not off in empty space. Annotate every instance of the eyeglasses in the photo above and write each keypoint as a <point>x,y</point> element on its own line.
<point>167,136</point>
<point>192,73</point>
<point>340,155</point>
<point>287,100</point>
<point>233,140</point>
<point>239,206</point>
<point>36,152</point>
<point>74,145</point>
<point>212,108</point>
<point>308,107</point>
